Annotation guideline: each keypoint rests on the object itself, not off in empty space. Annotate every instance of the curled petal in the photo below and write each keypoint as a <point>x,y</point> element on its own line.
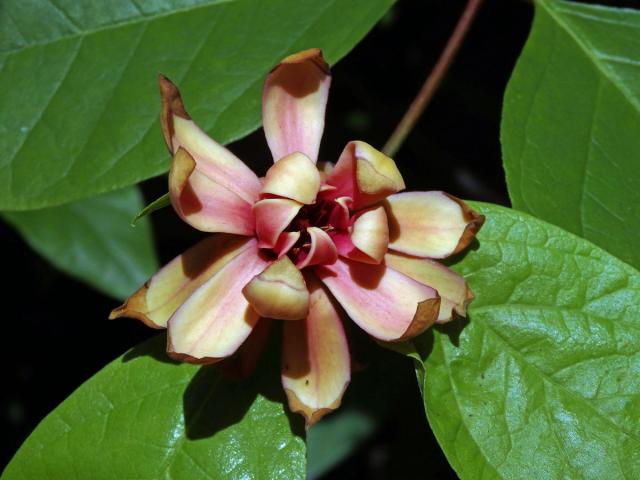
<point>294,177</point>
<point>279,292</point>
<point>212,159</point>
<point>371,233</point>
<point>454,292</point>
<point>293,104</point>
<point>205,204</point>
<point>346,248</point>
<point>385,303</point>
<point>272,216</point>
<point>364,174</point>
<point>214,321</point>
<point>162,294</point>
<point>322,250</point>
<point>285,242</point>
<point>315,358</point>
<point>430,224</point>
<point>340,215</point>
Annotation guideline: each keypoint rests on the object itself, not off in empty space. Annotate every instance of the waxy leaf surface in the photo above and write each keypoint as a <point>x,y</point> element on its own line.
<point>147,418</point>
<point>543,380</point>
<point>571,120</point>
<point>93,240</point>
<point>80,113</point>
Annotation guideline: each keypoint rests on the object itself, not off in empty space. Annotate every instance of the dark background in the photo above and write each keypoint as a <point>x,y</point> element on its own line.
<point>55,329</point>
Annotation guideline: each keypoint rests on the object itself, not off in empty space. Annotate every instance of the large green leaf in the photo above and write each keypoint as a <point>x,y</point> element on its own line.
<point>93,240</point>
<point>571,120</point>
<point>544,379</point>
<point>82,114</point>
<point>146,418</point>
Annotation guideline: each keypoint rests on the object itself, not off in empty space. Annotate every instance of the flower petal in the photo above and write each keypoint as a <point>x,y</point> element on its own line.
<point>322,250</point>
<point>205,204</point>
<point>385,303</point>
<point>293,104</point>
<point>212,159</point>
<point>162,294</point>
<point>214,321</point>
<point>315,358</point>
<point>430,224</point>
<point>454,292</point>
<point>295,177</point>
<point>285,242</point>
<point>340,215</point>
<point>364,174</point>
<point>279,292</point>
<point>368,239</point>
<point>272,216</point>
<point>371,233</point>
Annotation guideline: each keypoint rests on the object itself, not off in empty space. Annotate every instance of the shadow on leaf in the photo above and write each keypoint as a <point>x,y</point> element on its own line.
<point>213,402</point>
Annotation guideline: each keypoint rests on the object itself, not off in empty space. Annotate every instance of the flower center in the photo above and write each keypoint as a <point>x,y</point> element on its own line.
<point>327,215</point>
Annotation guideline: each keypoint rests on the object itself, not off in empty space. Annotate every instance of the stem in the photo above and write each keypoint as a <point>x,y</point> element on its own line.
<point>432,82</point>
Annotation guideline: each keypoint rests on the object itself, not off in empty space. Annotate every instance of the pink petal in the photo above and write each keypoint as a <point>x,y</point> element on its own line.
<point>454,292</point>
<point>322,250</point>
<point>294,177</point>
<point>371,233</point>
<point>214,321</point>
<point>279,292</point>
<point>205,204</point>
<point>364,174</point>
<point>368,239</point>
<point>385,303</point>
<point>162,294</point>
<point>272,216</point>
<point>315,358</point>
<point>293,104</point>
<point>430,224</point>
<point>340,216</point>
<point>212,159</point>
<point>285,242</point>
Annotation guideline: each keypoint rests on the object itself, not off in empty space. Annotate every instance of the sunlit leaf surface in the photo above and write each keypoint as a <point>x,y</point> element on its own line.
<point>543,380</point>
<point>571,121</point>
<point>82,114</point>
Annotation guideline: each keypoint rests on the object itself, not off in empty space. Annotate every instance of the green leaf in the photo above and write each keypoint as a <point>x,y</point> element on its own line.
<point>147,418</point>
<point>571,120</point>
<point>542,381</point>
<point>157,204</point>
<point>82,116</point>
<point>335,437</point>
<point>93,240</point>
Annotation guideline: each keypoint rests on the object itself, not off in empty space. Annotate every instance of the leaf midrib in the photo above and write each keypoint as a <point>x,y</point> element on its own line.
<point>116,25</point>
<point>550,8</point>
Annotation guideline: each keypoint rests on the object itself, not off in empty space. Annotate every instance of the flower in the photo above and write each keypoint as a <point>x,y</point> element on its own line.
<point>301,245</point>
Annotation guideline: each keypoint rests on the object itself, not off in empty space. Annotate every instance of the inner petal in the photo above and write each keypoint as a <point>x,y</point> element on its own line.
<point>294,177</point>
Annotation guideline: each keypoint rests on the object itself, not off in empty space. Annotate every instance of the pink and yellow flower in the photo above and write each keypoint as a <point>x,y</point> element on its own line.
<point>301,245</point>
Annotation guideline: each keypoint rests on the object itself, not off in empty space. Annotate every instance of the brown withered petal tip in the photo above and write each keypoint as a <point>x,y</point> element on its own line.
<point>312,54</point>
<point>311,417</point>
<point>425,316</point>
<point>171,105</point>
<point>135,315</point>
<point>474,223</point>
<point>183,357</point>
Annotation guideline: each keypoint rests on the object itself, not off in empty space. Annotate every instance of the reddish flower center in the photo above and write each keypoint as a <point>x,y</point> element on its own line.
<point>327,215</point>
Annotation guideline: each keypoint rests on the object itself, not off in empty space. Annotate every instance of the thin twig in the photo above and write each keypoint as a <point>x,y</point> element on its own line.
<point>433,80</point>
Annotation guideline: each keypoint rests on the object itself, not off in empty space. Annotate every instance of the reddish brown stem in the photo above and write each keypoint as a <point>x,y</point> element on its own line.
<point>433,80</point>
